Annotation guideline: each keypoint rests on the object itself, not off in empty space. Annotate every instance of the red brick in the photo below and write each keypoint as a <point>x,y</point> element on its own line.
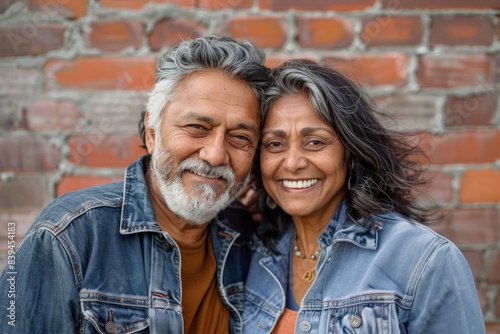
<point>5,4</point>
<point>100,74</point>
<point>225,4</point>
<point>8,115</point>
<point>483,299</point>
<point>74,183</point>
<point>16,81</point>
<point>411,112</point>
<point>474,110</point>
<point>389,69</point>
<point>277,60</point>
<point>316,5</point>
<point>264,32</point>
<point>464,147</point>
<point>114,35</point>
<point>440,187</point>
<point>441,4</point>
<point>476,262</point>
<point>114,113</point>
<point>124,4</point>
<point>324,33</point>
<point>24,193</point>
<point>139,4</point>
<point>65,8</point>
<point>22,220</point>
<point>49,116</point>
<point>99,150</point>
<point>169,32</point>
<point>497,310</point>
<point>481,186</point>
<point>493,272</point>
<point>454,70</point>
<point>28,154</point>
<point>496,67</point>
<point>392,30</point>
<point>493,328</point>
<point>461,30</point>
<point>469,226</point>
<point>30,40</point>
<point>498,28</point>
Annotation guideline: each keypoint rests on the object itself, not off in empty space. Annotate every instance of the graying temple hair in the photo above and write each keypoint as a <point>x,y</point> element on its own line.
<point>239,60</point>
<point>381,177</point>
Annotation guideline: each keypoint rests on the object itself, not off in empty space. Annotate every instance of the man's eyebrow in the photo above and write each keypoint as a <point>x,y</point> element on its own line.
<point>249,127</point>
<point>210,120</point>
<point>199,117</point>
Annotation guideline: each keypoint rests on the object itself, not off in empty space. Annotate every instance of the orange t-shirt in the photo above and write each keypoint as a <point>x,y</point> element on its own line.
<point>286,323</point>
<point>202,307</point>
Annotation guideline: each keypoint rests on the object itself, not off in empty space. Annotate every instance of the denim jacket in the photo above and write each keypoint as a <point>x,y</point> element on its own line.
<point>96,261</point>
<point>398,278</point>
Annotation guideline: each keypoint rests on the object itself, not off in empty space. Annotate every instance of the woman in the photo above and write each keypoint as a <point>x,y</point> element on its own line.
<point>339,249</point>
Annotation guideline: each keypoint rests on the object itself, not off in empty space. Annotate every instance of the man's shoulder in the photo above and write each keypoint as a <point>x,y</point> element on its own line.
<point>68,207</point>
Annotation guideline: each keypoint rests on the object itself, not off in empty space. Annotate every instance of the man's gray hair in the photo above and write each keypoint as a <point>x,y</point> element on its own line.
<point>238,60</point>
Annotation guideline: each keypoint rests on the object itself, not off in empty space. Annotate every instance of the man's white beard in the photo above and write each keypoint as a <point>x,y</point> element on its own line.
<point>198,208</point>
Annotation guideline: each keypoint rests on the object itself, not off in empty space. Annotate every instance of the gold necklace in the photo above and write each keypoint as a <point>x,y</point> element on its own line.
<point>308,275</point>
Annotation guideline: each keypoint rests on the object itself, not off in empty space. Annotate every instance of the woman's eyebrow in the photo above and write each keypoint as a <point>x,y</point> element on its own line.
<point>274,132</point>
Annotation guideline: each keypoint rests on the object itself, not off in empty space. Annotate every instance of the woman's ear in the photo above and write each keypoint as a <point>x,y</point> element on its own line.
<point>149,135</point>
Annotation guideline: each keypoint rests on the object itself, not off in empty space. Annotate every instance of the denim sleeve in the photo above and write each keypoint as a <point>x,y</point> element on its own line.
<point>40,294</point>
<point>446,299</point>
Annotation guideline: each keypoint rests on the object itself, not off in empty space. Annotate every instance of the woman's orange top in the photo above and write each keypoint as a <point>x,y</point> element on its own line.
<point>286,323</point>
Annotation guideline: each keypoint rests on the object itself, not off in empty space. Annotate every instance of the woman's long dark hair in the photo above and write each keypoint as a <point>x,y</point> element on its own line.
<point>383,173</point>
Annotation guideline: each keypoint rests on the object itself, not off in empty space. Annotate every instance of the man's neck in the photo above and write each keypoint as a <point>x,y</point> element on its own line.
<point>177,228</point>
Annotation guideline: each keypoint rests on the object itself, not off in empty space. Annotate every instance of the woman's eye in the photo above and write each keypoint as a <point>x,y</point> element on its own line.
<point>315,144</point>
<point>273,146</point>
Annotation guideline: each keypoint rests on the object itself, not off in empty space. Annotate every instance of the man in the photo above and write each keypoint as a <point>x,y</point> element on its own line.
<point>149,254</point>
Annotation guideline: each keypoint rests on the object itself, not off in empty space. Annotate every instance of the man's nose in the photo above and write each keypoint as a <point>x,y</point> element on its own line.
<point>215,152</point>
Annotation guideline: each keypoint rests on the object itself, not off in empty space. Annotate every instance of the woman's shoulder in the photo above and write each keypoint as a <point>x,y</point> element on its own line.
<point>409,236</point>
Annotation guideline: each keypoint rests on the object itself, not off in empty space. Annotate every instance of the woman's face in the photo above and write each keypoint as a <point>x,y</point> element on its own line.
<point>302,159</point>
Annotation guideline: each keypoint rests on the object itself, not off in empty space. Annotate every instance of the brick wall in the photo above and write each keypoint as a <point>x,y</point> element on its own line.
<point>74,76</point>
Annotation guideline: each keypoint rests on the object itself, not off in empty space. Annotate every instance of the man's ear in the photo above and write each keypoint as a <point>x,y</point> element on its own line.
<point>149,135</point>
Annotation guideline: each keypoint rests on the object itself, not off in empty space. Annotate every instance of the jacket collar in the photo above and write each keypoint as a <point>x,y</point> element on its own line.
<point>340,229</point>
<point>137,211</point>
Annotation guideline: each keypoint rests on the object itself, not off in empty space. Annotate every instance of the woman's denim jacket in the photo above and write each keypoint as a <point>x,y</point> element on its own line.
<point>96,261</point>
<point>398,278</point>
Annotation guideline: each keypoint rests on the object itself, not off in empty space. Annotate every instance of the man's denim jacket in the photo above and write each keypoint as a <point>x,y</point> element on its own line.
<point>96,261</point>
<point>398,278</point>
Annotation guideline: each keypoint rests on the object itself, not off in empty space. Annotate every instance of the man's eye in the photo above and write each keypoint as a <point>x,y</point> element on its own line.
<point>196,129</point>
<point>240,141</point>
<point>196,126</point>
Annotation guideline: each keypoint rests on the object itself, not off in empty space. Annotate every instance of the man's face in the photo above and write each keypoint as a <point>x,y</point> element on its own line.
<point>203,151</point>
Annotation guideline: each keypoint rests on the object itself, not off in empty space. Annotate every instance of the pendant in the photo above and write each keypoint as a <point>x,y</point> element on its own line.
<point>309,276</point>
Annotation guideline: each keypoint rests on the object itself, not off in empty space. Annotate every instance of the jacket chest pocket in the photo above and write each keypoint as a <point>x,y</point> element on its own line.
<point>364,317</point>
<point>101,317</point>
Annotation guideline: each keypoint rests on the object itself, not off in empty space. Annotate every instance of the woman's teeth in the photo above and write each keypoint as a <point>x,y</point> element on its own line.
<point>299,184</point>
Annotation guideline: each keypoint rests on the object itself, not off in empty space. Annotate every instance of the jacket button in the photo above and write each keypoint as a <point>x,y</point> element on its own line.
<point>111,327</point>
<point>165,246</point>
<point>356,321</point>
<point>305,326</point>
